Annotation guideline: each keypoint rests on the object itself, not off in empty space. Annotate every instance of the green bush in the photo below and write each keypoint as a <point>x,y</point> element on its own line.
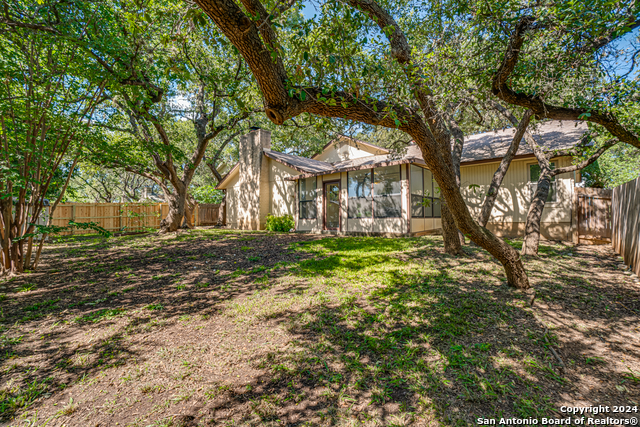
<point>207,194</point>
<point>280,223</point>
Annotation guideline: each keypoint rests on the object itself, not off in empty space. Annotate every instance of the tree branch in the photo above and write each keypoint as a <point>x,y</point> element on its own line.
<point>541,109</point>
<point>498,176</point>
<point>583,164</point>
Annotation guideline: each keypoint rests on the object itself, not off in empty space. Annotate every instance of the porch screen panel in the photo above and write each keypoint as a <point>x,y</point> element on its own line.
<point>359,192</point>
<point>387,190</point>
<point>308,209</point>
<point>435,197</point>
<point>417,189</point>
<point>425,194</point>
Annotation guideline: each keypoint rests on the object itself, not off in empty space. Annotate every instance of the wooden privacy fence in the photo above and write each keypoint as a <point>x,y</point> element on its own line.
<point>626,223</point>
<point>209,214</point>
<point>594,215</point>
<point>123,217</point>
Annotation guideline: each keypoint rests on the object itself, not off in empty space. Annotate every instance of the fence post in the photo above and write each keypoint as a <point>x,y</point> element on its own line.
<point>73,215</point>
<point>575,217</point>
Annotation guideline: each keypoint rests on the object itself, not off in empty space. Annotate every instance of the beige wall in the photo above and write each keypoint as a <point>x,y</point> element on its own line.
<point>232,201</point>
<point>509,214</point>
<point>276,195</point>
<point>260,187</point>
<point>343,150</point>
<point>377,225</point>
<point>282,193</point>
<point>548,230</point>
<point>248,189</point>
<point>425,224</point>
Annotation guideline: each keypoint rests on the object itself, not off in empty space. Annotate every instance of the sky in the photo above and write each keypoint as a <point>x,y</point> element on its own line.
<point>629,43</point>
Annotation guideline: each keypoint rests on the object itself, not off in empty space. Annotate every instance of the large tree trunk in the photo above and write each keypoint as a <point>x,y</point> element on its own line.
<point>5,214</point>
<point>453,239</point>
<point>15,254</point>
<point>503,252</point>
<point>532,228</point>
<point>176,201</point>
<point>189,212</point>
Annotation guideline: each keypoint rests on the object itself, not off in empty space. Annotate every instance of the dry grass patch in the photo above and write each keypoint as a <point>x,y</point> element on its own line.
<point>215,327</point>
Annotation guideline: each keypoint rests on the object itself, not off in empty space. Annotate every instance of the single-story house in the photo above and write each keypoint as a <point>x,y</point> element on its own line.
<point>354,187</point>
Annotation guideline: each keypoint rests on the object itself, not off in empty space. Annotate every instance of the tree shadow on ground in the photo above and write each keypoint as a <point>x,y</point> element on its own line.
<point>355,331</point>
<point>435,348</point>
<point>90,306</point>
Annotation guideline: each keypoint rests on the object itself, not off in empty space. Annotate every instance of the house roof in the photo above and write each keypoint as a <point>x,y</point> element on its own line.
<point>228,176</point>
<point>353,141</point>
<point>301,164</point>
<point>480,148</point>
<point>553,135</point>
<point>483,147</point>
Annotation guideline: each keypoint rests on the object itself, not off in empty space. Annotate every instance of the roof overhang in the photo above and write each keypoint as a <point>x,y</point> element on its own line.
<point>284,162</point>
<point>222,184</point>
<point>380,164</point>
<point>413,160</point>
<point>353,142</point>
<point>499,159</point>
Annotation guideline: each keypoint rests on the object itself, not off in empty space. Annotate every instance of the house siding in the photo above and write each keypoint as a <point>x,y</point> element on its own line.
<point>509,215</point>
<point>260,186</point>
<point>343,150</point>
<point>233,201</point>
<point>282,193</point>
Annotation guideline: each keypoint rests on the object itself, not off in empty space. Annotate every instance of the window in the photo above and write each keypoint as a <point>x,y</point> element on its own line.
<point>375,193</point>
<point>425,200</point>
<point>534,175</point>
<point>308,207</point>
<point>387,190</point>
<point>359,190</point>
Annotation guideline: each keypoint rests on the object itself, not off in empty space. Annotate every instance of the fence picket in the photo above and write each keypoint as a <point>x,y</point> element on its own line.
<point>123,217</point>
<point>625,236</point>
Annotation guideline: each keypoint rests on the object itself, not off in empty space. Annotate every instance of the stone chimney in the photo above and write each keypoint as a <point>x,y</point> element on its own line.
<point>253,195</point>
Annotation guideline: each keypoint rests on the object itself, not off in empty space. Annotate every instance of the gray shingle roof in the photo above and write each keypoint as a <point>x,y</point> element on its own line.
<point>553,135</point>
<point>412,154</point>
<point>301,164</point>
<point>492,145</point>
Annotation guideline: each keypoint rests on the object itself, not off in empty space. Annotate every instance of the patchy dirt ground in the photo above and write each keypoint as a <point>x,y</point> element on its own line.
<point>215,327</point>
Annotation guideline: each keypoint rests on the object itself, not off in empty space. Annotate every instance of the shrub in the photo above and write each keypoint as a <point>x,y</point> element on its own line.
<point>207,194</point>
<point>280,223</point>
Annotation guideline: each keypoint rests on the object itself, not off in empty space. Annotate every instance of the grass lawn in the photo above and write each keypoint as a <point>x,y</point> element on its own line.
<point>229,328</point>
